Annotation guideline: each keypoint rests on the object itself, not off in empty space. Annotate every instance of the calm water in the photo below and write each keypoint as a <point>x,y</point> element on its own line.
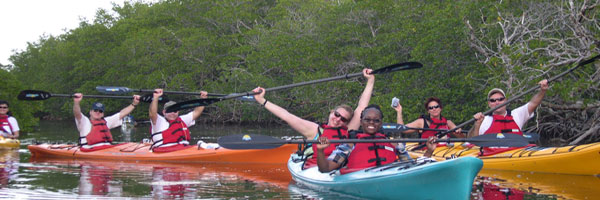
<point>24,178</point>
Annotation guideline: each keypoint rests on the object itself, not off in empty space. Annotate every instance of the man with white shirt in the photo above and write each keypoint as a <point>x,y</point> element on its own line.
<point>94,132</point>
<point>504,120</point>
<point>170,131</point>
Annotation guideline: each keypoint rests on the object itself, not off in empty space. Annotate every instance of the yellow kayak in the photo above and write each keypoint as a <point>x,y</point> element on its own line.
<point>576,159</point>
<point>7,143</point>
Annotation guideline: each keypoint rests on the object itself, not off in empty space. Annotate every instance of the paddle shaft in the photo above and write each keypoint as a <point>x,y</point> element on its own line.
<point>347,76</point>
<point>109,89</point>
<point>93,96</point>
<point>520,95</point>
<point>369,141</point>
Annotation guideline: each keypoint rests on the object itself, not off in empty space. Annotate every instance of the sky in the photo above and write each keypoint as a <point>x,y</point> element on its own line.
<point>23,21</point>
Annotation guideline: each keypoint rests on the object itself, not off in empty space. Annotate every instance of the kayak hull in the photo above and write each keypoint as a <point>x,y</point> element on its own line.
<point>452,179</point>
<point>578,159</point>
<point>141,152</point>
<point>7,143</point>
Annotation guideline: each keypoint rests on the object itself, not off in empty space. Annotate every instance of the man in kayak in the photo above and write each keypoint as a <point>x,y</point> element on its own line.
<point>504,120</point>
<point>170,131</point>
<point>9,128</point>
<point>94,132</point>
<point>359,156</point>
<point>335,127</point>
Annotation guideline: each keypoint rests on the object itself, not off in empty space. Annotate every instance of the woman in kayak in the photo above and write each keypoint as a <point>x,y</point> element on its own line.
<point>434,119</point>
<point>9,127</point>
<point>363,155</point>
<point>337,122</point>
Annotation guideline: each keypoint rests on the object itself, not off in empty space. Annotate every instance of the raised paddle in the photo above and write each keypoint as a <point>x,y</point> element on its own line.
<point>255,141</point>
<point>126,90</point>
<point>520,95</point>
<point>36,95</point>
<point>392,127</point>
<point>208,101</point>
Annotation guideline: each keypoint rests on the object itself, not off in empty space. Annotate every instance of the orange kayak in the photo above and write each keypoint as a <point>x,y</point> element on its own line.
<point>141,152</point>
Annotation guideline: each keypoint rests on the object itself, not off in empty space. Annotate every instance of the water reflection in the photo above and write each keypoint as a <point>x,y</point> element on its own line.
<point>9,166</point>
<point>500,184</point>
<point>168,180</point>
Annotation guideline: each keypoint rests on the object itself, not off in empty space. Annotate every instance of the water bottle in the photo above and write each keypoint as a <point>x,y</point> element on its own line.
<point>395,102</point>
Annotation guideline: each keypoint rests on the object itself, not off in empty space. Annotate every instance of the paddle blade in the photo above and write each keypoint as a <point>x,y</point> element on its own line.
<point>33,95</point>
<point>148,98</point>
<point>192,104</point>
<point>397,67</point>
<point>499,140</point>
<point>113,90</point>
<point>249,141</point>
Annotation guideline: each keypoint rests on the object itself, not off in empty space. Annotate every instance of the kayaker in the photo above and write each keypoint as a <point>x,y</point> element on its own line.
<point>434,119</point>
<point>504,120</point>
<point>94,132</point>
<point>9,127</point>
<point>359,156</point>
<point>337,122</point>
<point>170,131</point>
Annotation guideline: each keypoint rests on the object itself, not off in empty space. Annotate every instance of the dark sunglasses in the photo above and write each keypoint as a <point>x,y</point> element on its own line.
<point>100,111</point>
<point>433,107</point>
<point>337,114</point>
<point>3,107</point>
<point>375,121</point>
<point>498,99</point>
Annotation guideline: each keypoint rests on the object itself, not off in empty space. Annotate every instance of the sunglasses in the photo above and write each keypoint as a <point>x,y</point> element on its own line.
<point>337,114</point>
<point>498,99</point>
<point>5,107</point>
<point>99,111</point>
<point>433,107</point>
<point>375,121</point>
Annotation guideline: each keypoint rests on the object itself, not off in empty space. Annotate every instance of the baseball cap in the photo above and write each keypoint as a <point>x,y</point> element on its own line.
<point>496,90</point>
<point>98,106</point>
<point>170,103</point>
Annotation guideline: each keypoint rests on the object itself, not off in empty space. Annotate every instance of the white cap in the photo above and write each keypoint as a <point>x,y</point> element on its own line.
<point>496,90</point>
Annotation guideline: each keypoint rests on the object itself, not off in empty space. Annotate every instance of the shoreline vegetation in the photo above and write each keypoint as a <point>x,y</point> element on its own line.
<point>229,46</point>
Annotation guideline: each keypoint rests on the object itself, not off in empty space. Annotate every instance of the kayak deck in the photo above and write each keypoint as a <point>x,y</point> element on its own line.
<point>141,152</point>
<point>576,159</point>
<point>400,180</point>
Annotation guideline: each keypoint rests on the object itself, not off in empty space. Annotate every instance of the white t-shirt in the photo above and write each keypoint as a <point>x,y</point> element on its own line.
<point>162,124</point>
<point>13,124</point>
<point>520,116</point>
<point>84,125</point>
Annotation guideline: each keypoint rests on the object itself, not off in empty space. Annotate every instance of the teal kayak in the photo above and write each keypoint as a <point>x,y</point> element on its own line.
<point>450,179</point>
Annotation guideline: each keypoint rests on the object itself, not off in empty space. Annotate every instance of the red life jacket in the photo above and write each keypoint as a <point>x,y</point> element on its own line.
<point>365,155</point>
<point>177,133</point>
<point>4,123</point>
<point>501,124</point>
<point>332,134</point>
<point>435,124</point>
<point>504,124</point>
<point>100,133</point>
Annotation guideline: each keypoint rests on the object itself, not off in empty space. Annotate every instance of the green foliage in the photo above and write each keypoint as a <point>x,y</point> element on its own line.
<point>22,111</point>
<point>232,46</point>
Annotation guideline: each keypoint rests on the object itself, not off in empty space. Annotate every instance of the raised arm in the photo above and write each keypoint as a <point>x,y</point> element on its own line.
<point>125,111</point>
<point>153,110</point>
<point>198,110</point>
<point>536,100</point>
<point>363,102</point>
<point>76,107</point>
<point>307,128</point>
